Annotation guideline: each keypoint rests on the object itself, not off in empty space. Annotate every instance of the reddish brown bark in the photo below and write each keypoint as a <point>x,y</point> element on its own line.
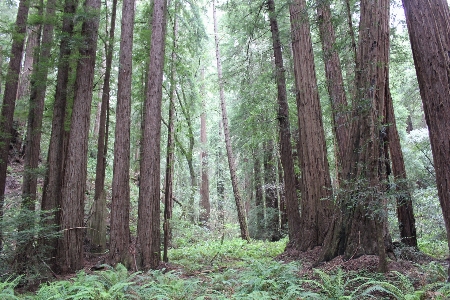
<point>97,228</point>
<point>51,198</point>
<point>9,98</point>
<point>364,227</point>
<point>428,26</point>
<point>405,212</point>
<point>335,82</point>
<point>70,246</point>
<point>148,246</point>
<point>290,192</point>
<point>316,208</point>
<point>168,181</point>
<point>120,202</point>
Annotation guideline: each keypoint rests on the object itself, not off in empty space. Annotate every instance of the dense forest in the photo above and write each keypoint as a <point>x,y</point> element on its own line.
<point>194,149</point>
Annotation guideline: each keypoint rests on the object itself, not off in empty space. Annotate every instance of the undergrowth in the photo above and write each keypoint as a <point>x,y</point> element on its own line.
<point>235,269</point>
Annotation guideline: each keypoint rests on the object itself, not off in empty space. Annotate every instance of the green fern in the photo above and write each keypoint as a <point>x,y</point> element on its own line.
<point>7,288</point>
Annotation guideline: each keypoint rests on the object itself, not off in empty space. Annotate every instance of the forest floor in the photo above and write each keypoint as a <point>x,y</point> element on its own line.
<point>204,266</point>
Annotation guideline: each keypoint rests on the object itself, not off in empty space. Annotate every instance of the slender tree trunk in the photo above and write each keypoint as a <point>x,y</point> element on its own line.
<point>259,197</point>
<point>70,247</point>
<point>405,213</point>
<point>428,26</point>
<point>37,98</point>
<point>316,207</point>
<point>97,226</point>
<point>51,197</point>
<point>148,247</point>
<point>205,206</point>
<point>9,98</point>
<point>232,164</point>
<point>1,70</point>
<point>283,209</point>
<point>293,214</point>
<point>188,152</point>
<point>270,188</point>
<point>220,187</point>
<point>24,248</point>
<point>168,184</point>
<point>120,202</point>
<point>33,36</point>
<point>335,82</point>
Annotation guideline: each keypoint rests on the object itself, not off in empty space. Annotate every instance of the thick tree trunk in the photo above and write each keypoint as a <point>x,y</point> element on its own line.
<point>120,202</point>
<point>51,197</point>
<point>428,25</point>
<point>70,246</point>
<point>363,228</point>
<point>316,207</point>
<point>97,225</point>
<point>287,161</point>
<point>168,182</point>
<point>335,82</point>
<point>231,162</point>
<point>148,247</point>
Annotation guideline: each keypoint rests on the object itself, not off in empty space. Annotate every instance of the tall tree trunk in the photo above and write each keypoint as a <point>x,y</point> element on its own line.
<point>205,206</point>
<point>293,214</point>
<point>315,180</point>
<point>259,197</point>
<point>51,197</point>
<point>9,98</point>
<point>428,26</point>
<point>335,82</point>
<point>120,202</point>
<point>1,70</point>
<point>271,194</point>
<point>231,163</point>
<point>24,249</point>
<point>220,187</point>
<point>363,202</point>
<point>70,246</point>
<point>97,226</point>
<point>282,192</point>
<point>168,183</point>
<point>148,247</point>
<point>405,213</point>
<point>37,98</point>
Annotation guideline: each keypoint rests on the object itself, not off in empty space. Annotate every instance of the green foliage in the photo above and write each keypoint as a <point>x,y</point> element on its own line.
<point>110,284</point>
<point>7,288</point>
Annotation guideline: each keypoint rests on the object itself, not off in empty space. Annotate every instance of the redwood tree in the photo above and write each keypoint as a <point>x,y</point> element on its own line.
<point>316,210</point>
<point>51,195</point>
<point>70,246</point>
<point>9,97</point>
<point>428,26</point>
<point>97,227</point>
<point>148,245</point>
<point>287,161</point>
<point>362,229</point>
<point>120,201</point>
